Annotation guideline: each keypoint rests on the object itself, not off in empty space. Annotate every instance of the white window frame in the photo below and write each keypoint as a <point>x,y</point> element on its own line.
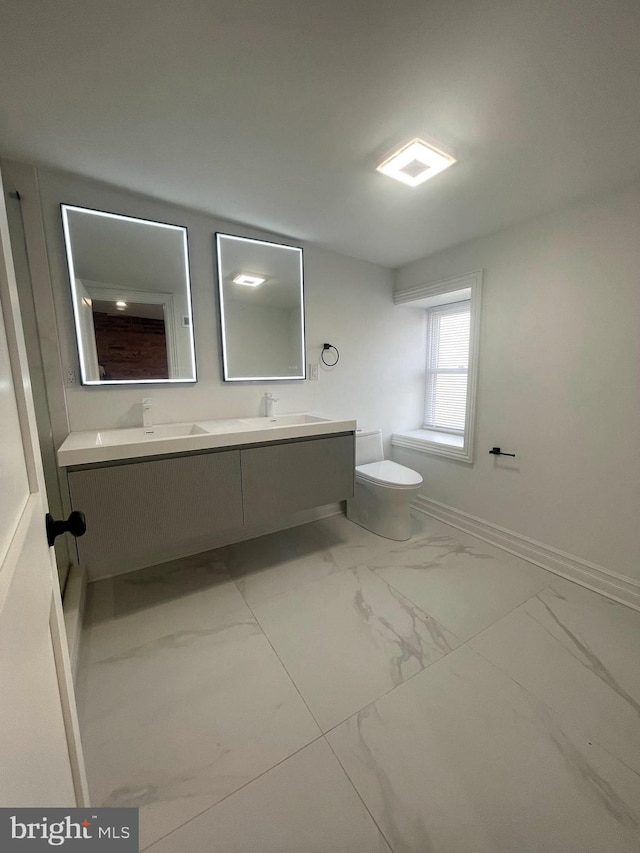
<point>455,289</point>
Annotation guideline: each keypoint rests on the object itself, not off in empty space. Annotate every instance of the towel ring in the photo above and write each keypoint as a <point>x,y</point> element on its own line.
<point>329,347</point>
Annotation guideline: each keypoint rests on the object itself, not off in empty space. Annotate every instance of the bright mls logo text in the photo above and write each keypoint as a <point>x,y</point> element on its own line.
<point>81,829</point>
<point>56,833</point>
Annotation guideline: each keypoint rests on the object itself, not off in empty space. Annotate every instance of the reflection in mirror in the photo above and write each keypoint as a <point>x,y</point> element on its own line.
<point>131,298</point>
<point>261,309</point>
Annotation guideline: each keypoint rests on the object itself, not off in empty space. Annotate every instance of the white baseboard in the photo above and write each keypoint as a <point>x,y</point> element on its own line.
<point>597,578</point>
<point>73,602</point>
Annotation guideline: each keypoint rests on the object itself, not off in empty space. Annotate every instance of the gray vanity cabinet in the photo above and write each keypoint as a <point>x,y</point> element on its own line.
<point>146,512</point>
<point>280,479</point>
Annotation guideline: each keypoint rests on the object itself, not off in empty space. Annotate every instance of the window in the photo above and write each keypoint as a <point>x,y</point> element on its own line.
<point>452,322</point>
<point>446,378</point>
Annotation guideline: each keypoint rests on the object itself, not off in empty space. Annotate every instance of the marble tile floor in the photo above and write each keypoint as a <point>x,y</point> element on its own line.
<point>323,689</point>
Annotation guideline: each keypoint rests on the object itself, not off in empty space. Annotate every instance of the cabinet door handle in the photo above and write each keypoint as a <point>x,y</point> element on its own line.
<point>76,525</point>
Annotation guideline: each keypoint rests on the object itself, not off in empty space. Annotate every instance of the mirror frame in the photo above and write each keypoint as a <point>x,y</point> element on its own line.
<point>99,383</point>
<point>303,343</point>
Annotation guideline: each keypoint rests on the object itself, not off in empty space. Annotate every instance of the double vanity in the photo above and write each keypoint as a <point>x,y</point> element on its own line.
<point>156,493</point>
<point>152,496</point>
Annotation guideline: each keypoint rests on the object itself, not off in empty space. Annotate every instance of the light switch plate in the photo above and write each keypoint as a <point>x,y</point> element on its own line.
<point>313,371</point>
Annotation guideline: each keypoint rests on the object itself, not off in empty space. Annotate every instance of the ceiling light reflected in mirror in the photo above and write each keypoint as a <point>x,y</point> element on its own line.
<point>249,279</point>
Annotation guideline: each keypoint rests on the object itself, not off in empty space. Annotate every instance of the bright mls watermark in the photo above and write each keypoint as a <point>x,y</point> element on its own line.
<point>24,830</point>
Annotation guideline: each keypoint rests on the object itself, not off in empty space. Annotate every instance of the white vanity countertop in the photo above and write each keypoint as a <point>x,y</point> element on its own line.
<point>111,445</point>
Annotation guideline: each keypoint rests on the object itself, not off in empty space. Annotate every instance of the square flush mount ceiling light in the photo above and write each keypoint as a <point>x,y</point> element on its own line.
<point>415,162</point>
<point>249,279</point>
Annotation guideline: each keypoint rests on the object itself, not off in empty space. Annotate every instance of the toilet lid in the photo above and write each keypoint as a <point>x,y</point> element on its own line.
<point>388,473</point>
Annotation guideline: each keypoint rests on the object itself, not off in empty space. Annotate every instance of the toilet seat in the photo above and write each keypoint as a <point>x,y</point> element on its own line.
<point>390,474</point>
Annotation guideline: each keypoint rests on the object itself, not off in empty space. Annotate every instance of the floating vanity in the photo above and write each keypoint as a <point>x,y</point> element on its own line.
<point>152,494</point>
<point>185,488</point>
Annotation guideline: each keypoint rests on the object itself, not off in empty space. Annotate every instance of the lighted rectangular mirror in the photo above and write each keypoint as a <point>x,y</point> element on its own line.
<point>261,309</point>
<point>131,296</point>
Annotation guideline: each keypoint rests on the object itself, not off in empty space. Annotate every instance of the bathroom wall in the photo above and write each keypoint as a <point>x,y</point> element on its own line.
<point>348,303</point>
<point>559,381</point>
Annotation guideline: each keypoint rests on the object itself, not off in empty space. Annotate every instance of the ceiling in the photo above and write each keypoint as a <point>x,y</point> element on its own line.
<point>274,113</point>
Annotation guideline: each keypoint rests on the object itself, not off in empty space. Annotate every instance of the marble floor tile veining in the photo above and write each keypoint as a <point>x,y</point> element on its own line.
<point>307,803</point>
<point>273,564</point>
<point>554,646</point>
<point>125,610</point>
<point>349,638</point>
<point>282,561</point>
<point>464,583</point>
<point>175,723</point>
<point>323,689</point>
<point>461,758</point>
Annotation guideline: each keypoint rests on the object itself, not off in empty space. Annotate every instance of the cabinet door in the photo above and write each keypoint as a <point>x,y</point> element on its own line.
<point>149,512</point>
<point>280,479</point>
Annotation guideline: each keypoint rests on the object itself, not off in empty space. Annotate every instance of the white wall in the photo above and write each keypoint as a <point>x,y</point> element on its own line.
<point>381,367</point>
<point>348,303</point>
<point>558,383</point>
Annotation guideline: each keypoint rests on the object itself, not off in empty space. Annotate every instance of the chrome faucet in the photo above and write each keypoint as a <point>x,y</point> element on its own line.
<point>269,400</point>
<point>147,417</point>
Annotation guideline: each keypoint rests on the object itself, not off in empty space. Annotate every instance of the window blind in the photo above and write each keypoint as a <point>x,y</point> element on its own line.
<point>448,332</point>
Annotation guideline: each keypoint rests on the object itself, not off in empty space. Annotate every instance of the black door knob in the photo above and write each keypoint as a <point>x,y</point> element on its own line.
<point>76,525</point>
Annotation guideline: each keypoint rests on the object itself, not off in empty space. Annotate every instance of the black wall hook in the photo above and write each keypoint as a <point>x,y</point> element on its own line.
<point>497,452</point>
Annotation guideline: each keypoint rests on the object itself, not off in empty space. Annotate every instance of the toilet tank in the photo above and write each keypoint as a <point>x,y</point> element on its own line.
<point>368,446</point>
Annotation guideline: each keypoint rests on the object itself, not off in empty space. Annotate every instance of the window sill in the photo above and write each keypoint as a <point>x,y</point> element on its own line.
<point>437,443</point>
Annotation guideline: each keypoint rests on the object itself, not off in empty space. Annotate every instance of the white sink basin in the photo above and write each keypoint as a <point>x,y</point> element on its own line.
<point>282,420</point>
<point>113,445</point>
<point>112,437</point>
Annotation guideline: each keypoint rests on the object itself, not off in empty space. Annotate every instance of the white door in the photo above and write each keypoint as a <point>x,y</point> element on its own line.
<point>40,754</point>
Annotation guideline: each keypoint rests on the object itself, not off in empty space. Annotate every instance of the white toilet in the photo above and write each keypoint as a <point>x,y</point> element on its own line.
<point>383,489</point>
